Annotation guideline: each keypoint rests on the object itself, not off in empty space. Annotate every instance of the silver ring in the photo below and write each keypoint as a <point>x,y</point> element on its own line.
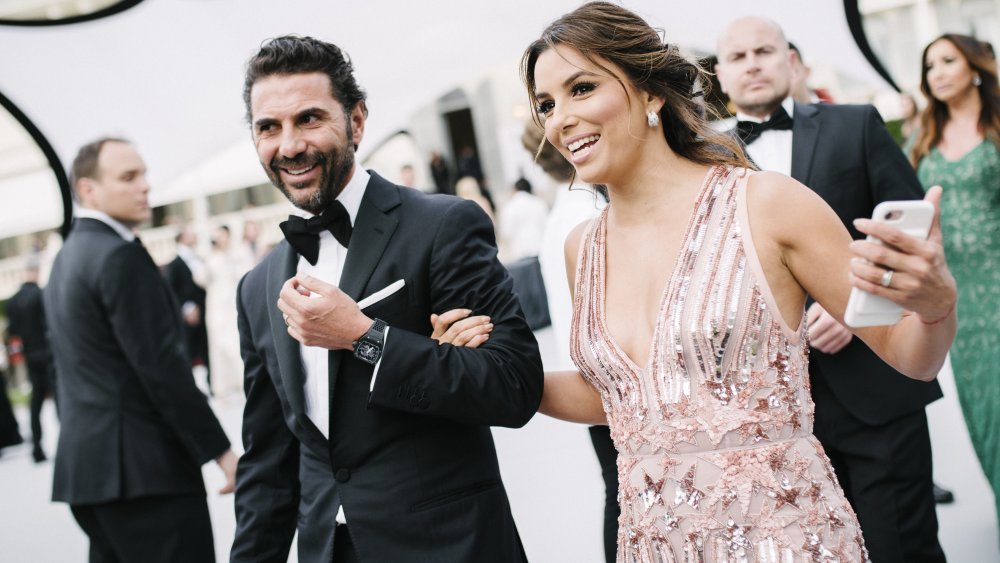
<point>285,317</point>
<point>887,278</point>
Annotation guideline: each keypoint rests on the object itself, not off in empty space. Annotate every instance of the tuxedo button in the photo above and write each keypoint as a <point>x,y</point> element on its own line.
<point>342,475</point>
<point>424,403</point>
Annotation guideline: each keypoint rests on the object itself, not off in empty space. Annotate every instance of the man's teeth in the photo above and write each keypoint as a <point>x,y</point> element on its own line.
<point>300,171</point>
<point>576,145</point>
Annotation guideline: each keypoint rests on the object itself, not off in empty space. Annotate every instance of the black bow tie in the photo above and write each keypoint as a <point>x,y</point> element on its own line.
<point>750,130</point>
<point>303,234</point>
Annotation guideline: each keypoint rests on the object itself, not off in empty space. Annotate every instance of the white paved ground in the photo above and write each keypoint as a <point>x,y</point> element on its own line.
<point>552,479</point>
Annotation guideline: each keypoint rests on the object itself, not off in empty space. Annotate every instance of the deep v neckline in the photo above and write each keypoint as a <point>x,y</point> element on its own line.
<point>603,276</point>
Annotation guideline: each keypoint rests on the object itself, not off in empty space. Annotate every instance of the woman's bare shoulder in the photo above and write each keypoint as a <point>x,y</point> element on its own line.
<point>778,203</point>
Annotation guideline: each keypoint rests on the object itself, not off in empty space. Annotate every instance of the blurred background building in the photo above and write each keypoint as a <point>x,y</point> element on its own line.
<point>453,95</point>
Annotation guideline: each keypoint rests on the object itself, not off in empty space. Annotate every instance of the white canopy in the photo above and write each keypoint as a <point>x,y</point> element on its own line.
<point>168,73</point>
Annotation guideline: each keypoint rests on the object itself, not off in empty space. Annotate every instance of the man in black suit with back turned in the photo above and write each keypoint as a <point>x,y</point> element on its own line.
<point>26,320</point>
<point>135,429</point>
<point>184,274</point>
<point>360,429</point>
<point>869,418</point>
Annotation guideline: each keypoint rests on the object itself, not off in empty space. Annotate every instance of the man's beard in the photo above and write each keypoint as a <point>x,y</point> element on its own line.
<point>334,167</point>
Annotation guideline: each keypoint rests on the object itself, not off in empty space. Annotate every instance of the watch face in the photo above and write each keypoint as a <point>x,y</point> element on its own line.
<point>367,351</point>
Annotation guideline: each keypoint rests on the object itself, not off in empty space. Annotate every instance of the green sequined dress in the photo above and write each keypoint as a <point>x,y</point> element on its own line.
<point>970,222</point>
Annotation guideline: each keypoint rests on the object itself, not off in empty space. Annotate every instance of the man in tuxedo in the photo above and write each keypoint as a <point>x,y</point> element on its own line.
<point>360,429</point>
<point>185,274</point>
<point>869,418</point>
<point>135,429</point>
<point>26,320</point>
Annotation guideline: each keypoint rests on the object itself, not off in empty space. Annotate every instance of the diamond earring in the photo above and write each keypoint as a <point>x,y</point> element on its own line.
<point>977,81</point>
<point>652,119</point>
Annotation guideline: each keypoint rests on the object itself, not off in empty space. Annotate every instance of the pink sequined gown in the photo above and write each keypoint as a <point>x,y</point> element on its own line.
<point>717,461</point>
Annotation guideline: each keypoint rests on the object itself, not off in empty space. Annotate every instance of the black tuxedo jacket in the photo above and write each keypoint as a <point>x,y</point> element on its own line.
<point>133,422</point>
<point>845,154</point>
<point>26,319</point>
<point>412,461</point>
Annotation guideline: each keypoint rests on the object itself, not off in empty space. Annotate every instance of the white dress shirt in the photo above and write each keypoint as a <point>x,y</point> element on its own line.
<point>773,149</point>
<point>328,268</point>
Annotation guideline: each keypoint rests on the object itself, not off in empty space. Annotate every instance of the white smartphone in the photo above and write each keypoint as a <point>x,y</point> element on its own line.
<point>913,218</point>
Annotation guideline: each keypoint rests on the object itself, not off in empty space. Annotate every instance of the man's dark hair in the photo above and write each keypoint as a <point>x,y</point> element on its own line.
<point>297,55</point>
<point>522,185</point>
<point>85,163</point>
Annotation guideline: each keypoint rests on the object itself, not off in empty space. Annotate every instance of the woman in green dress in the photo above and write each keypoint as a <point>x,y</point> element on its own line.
<point>958,148</point>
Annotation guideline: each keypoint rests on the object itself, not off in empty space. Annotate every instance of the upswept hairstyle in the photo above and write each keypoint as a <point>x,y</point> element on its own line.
<point>292,54</point>
<point>602,30</point>
<point>85,163</point>
<point>982,60</point>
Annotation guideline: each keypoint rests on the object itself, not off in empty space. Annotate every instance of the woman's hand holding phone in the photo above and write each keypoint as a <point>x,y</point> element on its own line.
<point>901,265</point>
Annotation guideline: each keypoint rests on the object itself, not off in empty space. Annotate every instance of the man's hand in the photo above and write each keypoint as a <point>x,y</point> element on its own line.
<point>825,333</point>
<point>227,462</point>
<point>458,328</point>
<point>320,314</point>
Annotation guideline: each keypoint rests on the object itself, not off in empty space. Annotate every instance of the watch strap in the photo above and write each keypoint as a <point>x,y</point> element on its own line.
<point>377,330</point>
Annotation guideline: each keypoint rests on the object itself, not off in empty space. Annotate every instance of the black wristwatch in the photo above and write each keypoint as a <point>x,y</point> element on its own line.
<point>368,348</point>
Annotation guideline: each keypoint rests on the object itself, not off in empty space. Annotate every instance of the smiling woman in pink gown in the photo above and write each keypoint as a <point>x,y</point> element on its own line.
<point>689,290</point>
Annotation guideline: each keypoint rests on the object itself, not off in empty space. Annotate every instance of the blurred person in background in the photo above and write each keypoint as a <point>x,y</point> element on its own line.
<point>441,174</point>
<point>869,417</point>
<point>468,164</point>
<point>521,221</point>
<point>10,434</point>
<point>26,321</point>
<point>467,187</point>
<point>135,428</point>
<point>801,92</point>
<point>224,266</point>
<point>407,176</point>
<point>573,205</point>
<point>908,123</point>
<point>250,242</point>
<point>185,275</point>
<point>958,148</point>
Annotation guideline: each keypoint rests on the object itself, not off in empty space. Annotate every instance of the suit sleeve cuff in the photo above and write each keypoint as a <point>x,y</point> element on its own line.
<point>385,344</point>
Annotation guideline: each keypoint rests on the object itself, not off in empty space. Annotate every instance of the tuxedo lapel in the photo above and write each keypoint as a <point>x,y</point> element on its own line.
<point>373,228</point>
<point>805,135</point>
<point>286,348</point>
<point>279,270</point>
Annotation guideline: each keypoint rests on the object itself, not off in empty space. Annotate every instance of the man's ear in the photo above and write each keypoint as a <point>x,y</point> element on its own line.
<point>793,57</point>
<point>358,122</point>
<point>84,189</point>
